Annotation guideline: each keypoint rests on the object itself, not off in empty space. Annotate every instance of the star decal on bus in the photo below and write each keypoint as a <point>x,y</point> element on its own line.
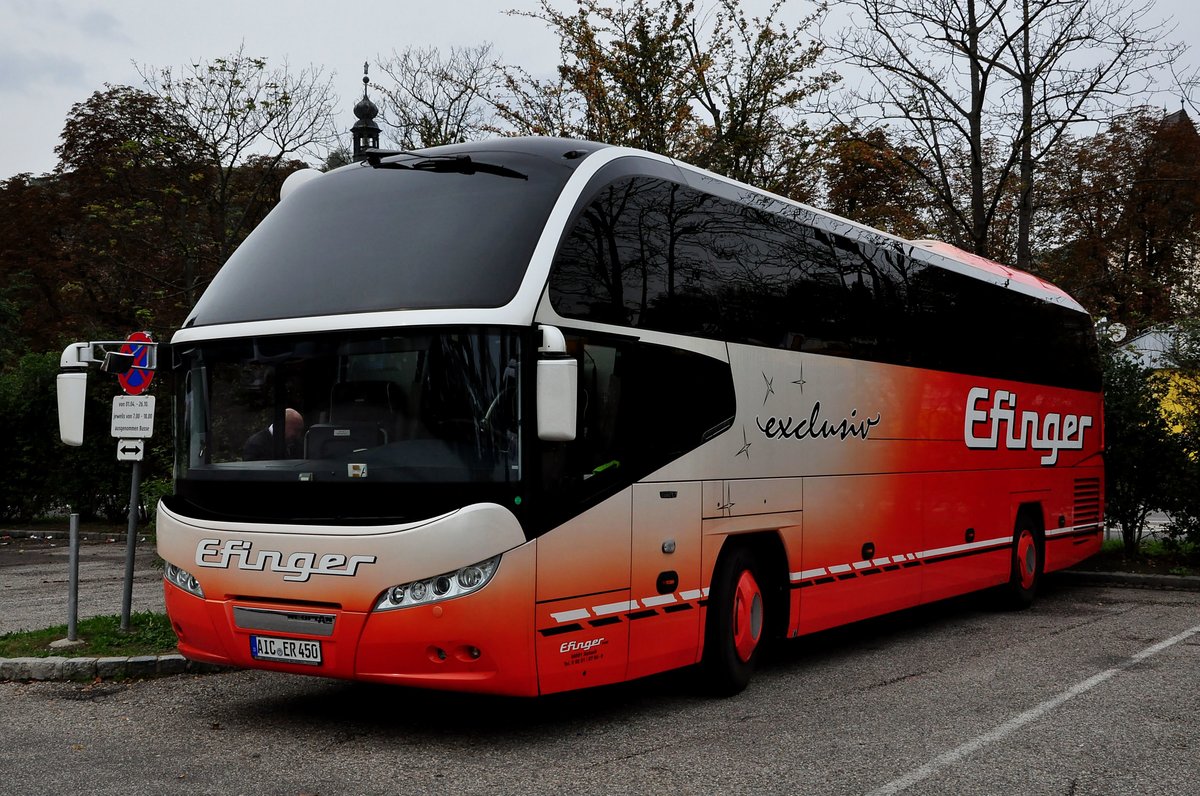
<point>800,382</point>
<point>746,443</point>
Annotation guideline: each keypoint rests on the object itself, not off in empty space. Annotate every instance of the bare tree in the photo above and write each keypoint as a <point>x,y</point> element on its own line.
<point>434,99</point>
<point>527,106</point>
<point>245,112</point>
<point>753,79</point>
<point>985,89</point>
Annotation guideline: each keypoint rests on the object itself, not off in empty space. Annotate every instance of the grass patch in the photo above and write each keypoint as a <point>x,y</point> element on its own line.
<point>149,634</point>
<point>1154,557</point>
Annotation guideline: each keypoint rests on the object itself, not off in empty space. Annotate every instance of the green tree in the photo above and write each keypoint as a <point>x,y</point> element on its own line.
<point>1182,413</point>
<point>40,475</point>
<point>30,213</point>
<point>131,176</point>
<point>26,390</point>
<point>1146,466</point>
<point>718,90</point>
<point>1125,218</point>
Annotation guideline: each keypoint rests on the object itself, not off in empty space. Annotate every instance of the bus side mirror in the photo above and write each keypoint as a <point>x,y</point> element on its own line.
<point>72,393</point>
<point>72,378</point>
<point>72,389</point>
<point>116,362</point>
<point>557,388</point>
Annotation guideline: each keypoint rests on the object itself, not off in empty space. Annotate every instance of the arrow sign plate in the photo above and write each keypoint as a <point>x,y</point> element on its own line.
<point>130,450</point>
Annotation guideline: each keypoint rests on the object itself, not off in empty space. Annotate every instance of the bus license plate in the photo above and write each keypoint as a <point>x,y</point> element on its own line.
<point>288,650</point>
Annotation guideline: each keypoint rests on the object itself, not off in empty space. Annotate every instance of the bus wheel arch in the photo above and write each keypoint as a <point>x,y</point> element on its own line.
<point>746,609</point>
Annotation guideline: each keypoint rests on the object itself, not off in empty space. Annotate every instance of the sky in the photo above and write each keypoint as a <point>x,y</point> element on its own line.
<point>54,53</point>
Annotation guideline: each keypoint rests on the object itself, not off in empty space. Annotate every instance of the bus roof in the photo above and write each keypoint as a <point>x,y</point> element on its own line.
<point>294,268</point>
<point>994,268</point>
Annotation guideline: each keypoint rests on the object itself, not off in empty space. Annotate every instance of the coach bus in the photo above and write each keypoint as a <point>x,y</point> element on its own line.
<point>530,415</point>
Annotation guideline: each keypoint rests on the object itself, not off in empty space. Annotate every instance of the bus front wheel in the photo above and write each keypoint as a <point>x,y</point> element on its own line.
<point>736,623</point>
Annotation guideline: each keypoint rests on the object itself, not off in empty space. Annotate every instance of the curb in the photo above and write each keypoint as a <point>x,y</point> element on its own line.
<point>64,537</point>
<point>1131,579</point>
<point>137,667</point>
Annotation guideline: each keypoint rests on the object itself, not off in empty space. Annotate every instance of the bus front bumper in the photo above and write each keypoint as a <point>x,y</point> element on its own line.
<point>483,642</point>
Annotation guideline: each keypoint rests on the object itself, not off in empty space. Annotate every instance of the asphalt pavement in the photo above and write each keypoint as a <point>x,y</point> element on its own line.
<point>1090,692</point>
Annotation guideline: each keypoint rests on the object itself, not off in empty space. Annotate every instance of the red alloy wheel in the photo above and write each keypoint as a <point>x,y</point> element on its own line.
<point>1027,559</point>
<point>747,615</point>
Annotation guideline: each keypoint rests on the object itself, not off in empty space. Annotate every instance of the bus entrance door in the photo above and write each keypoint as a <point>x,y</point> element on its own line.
<point>664,626</point>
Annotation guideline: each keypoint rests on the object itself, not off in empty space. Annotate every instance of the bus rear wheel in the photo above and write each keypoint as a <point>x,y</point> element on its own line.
<point>736,623</point>
<point>1027,566</point>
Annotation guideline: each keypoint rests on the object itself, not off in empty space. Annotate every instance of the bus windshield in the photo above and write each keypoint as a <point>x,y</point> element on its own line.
<point>420,239</point>
<point>423,405</point>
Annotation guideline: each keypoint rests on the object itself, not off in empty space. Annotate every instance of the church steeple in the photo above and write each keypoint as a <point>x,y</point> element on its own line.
<point>365,130</point>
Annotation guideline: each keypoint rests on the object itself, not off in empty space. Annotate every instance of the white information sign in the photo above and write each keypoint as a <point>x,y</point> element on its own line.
<point>130,450</point>
<point>133,416</point>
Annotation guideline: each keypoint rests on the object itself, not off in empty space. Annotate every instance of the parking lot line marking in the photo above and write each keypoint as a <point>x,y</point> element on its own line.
<point>1016,722</point>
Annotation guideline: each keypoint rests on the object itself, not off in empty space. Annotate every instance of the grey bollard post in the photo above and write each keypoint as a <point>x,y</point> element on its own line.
<point>73,581</point>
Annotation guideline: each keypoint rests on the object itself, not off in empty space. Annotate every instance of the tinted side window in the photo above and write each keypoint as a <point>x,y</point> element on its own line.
<point>964,325</point>
<point>651,253</point>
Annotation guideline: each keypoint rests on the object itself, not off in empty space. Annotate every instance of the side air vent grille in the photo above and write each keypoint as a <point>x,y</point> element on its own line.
<point>1087,503</point>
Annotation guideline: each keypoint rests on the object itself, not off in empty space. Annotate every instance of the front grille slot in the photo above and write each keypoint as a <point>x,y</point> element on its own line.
<point>272,621</point>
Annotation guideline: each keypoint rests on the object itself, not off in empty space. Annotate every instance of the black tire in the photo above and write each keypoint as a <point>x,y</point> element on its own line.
<point>1028,554</point>
<point>736,625</point>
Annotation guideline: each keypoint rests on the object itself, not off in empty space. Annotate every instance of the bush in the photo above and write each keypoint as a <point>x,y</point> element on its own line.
<point>1151,461</point>
<point>1147,467</point>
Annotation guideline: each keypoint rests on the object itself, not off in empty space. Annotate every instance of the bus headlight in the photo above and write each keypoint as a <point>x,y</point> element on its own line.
<point>440,587</point>
<point>183,579</point>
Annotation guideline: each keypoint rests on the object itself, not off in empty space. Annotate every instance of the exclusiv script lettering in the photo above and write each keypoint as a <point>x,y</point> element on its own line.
<point>298,567</point>
<point>816,427</point>
<point>1051,432</point>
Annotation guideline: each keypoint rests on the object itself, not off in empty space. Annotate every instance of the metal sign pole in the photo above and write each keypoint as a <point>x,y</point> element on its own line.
<point>130,546</point>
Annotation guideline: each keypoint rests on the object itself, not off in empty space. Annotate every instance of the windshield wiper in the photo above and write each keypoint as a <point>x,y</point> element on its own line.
<point>441,164</point>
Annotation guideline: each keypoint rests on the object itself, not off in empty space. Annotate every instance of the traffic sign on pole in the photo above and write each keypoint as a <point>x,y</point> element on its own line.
<point>135,380</point>
<point>130,450</point>
<point>133,416</point>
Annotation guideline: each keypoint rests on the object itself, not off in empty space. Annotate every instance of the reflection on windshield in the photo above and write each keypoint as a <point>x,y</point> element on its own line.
<point>430,406</point>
